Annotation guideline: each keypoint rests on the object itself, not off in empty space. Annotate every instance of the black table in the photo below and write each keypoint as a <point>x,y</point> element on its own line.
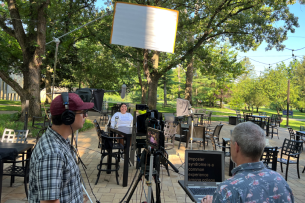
<point>261,121</point>
<point>299,134</point>
<point>20,148</point>
<point>127,133</point>
<point>233,120</point>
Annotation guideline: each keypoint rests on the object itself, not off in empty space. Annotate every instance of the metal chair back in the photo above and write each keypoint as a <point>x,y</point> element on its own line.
<point>269,156</point>
<point>292,148</point>
<point>21,136</point>
<point>291,133</point>
<point>8,135</point>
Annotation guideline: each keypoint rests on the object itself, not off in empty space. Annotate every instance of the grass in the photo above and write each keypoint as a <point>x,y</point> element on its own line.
<point>225,119</point>
<point>10,102</point>
<point>87,125</point>
<point>293,124</point>
<point>11,121</point>
<point>10,108</point>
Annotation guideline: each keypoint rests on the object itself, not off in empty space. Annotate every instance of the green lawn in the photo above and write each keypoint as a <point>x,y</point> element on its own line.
<point>10,102</point>
<point>10,108</point>
<point>11,121</point>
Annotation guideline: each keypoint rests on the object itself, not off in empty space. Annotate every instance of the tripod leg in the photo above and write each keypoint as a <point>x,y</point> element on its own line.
<point>134,187</point>
<point>158,189</point>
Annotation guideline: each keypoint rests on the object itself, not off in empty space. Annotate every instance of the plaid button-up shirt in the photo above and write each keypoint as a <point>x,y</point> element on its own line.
<point>54,173</point>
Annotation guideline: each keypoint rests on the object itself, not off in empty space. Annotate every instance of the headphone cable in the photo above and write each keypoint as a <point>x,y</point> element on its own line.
<point>82,163</point>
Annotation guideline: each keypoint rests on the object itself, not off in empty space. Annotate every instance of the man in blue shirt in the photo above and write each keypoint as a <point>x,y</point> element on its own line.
<point>251,180</point>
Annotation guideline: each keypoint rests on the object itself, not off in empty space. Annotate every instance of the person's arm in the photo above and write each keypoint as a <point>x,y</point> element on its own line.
<point>50,201</point>
<point>48,174</point>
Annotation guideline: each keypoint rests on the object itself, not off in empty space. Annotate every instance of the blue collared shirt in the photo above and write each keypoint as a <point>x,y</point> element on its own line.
<point>253,182</point>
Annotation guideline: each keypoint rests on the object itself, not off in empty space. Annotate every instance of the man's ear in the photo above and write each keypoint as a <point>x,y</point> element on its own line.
<point>237,149</point>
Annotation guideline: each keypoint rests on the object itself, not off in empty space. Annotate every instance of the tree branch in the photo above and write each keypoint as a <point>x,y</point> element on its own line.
<point>18,27</point>
<point>8,80</point>
<point>8,30</point>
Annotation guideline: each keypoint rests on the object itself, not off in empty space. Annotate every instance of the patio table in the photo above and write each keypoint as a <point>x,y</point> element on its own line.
<point>127,133</point>
<point>261,120</point>
<point>19,147</point>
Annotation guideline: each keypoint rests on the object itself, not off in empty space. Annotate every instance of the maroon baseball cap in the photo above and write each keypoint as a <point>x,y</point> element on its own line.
<point>75,104</point>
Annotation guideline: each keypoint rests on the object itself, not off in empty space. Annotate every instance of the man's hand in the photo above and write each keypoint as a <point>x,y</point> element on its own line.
<point>86,198</point>
<point>207,199</point>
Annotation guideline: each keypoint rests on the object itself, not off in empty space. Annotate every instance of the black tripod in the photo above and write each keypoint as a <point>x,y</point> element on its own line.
<point>158,154</point>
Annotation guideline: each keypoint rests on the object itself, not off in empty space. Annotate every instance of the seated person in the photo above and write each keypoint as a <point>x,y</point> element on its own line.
<point>251,180</point>
<point>125,118</point>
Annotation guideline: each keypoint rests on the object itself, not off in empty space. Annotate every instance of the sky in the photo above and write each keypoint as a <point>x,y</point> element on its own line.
<point>295,41</point>
<point>261,58</point>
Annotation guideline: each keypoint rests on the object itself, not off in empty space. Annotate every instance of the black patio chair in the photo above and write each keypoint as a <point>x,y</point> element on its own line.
<point>291,133</point>
<point>273,125</point>
<point>226,151</point>
<point>239,118</point>
<point>290,149</point>
<point>41,123</point>
<point>215,134</point>
<point>19,171</point>
<point>269,156</point>
<point>107,145</point>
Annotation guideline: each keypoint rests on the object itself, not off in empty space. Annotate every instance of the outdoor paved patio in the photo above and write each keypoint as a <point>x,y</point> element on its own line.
<point>108,191</point>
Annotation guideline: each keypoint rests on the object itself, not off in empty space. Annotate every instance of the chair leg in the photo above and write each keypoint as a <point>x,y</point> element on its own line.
<point>303,170</point>
<point>282,167</point>
<point>25,187</point>
<point>298,169</point>
<point>179,142</point>
<point>99,170</point>
<point>117,172</point>
<point>286,171</point>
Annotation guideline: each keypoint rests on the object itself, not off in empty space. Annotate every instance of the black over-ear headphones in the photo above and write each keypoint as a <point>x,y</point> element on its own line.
<point>68,116</point>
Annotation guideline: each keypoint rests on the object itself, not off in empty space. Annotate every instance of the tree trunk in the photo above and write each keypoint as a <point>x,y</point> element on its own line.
<point>144,94</point>
<point>189,81</point>
<point>34,90</point>
<point>142,83</point>
<point>152,93</point>
<point>165,93</point>
<point>256,109</point>
<point>221,100</point>
<point>152,80</point>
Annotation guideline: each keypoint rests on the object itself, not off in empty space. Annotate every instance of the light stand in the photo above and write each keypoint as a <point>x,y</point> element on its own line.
<point>150,176</point>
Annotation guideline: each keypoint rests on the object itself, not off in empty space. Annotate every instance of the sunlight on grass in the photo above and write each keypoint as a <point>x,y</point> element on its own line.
<point>10,108</point>
<point>10,102</point>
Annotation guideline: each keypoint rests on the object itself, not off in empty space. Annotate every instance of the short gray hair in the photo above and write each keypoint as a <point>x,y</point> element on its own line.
<point>251,139</point>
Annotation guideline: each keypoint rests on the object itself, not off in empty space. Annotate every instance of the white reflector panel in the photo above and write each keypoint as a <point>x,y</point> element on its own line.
<point>146,27</point>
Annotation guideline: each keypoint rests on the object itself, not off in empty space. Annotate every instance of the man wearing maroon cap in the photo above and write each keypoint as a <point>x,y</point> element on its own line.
<point>54,174</point>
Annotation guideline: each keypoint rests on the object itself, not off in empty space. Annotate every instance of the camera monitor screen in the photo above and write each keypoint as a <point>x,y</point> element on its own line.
<point>152,137</point>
